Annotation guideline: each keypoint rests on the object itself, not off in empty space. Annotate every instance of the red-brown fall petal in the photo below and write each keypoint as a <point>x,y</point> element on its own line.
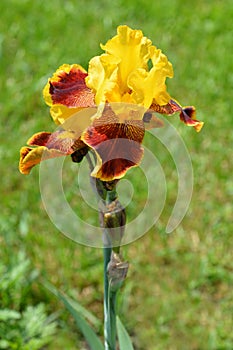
<point>117,145</point>
<point>71,90</point>
<point>48,145</point>
<point>188,116</point>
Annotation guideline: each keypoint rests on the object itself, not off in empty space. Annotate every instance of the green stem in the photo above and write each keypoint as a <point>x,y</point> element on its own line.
<point>108,339</point>
<point>112,303</point>
<point>106,192</point>
<point>109,296</point>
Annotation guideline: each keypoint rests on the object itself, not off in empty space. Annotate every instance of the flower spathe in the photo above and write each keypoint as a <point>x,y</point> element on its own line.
<point>131,72</point>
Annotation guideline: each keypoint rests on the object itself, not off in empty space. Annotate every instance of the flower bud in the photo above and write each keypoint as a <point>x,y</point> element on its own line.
<point>113,219</point>
<point>117,271</point>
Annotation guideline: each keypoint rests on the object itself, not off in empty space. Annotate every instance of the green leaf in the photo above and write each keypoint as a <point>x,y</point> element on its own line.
<point>79,308</point>
<point>90,336</point>
<point>87,331</point>
<point>8,314</point>
<point>123,336</point>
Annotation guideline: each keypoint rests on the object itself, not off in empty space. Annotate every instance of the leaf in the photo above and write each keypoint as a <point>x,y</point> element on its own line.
<point>123,336</point>
<point>87,331</point>
<point>8,314</point>
<point>89,334</point>
<point>79,308</point>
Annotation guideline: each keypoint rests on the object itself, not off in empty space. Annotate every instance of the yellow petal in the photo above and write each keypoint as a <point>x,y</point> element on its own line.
<point>150,86</point>
<point>102,78</point>
<point>160,61</point>
<point>132,48</point>
<point>60,113</point>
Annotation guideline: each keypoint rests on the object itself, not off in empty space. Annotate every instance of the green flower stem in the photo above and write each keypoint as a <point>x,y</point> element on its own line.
<point>109,307</point>
<point>110,299</point>
<point>112,221</point>
<point>111,321</point>
<point>115,270</point>
<point>115,274</point>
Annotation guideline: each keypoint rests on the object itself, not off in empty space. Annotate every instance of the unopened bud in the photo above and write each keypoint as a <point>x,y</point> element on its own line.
<point>113,219</point>
<point>117,271</point>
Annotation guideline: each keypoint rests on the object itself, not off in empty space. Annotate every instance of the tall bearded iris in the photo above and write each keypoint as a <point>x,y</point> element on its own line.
<point>131,73</point>
<point>105,111</point>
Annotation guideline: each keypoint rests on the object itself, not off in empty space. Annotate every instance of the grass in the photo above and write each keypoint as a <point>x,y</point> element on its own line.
<point>178,294</point>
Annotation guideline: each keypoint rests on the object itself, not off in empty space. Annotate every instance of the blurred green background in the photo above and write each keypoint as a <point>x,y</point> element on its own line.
<point>178,294</point>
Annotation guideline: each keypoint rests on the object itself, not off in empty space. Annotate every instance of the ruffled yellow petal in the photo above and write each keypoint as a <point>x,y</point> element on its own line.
<point>149,86</point>
<point>132,48</point>
<point>122,73</point>
<point>160,61</point>
<point>102,78</point>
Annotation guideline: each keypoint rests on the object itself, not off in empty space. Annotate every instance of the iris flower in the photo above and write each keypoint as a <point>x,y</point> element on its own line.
<point>122,90</point>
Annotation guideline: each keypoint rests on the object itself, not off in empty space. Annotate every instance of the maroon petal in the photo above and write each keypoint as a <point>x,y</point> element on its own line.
<point>70,89</point>
<point>118,145</point>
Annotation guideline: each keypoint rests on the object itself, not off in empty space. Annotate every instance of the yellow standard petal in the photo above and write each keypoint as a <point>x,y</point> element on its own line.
<point>102,78</point>
<point>132,48</point>
<point>149,87</point>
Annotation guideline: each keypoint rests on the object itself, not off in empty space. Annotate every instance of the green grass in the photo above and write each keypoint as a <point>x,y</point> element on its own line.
<point>178,294</point>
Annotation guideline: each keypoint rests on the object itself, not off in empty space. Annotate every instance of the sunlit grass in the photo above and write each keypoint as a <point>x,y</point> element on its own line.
<point>178,292</point>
